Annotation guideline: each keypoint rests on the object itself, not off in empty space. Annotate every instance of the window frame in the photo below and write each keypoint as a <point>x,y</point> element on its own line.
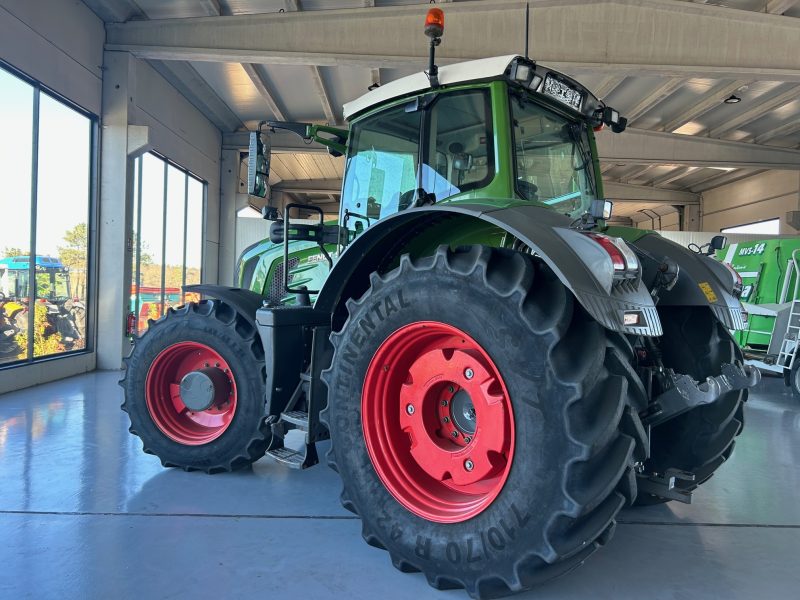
<point>136,208</point>
<point>91,216</point>
<point>773,219</point>
<point>547,108</point>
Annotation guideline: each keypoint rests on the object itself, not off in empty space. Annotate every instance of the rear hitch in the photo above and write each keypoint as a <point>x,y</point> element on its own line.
<point>666,485</point>
<point>685,393</point>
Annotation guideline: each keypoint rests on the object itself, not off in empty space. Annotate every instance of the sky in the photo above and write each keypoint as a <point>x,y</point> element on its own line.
<point>63,180</point>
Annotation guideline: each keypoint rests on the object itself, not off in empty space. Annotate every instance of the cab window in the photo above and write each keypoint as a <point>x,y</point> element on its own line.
<point>382,172</point>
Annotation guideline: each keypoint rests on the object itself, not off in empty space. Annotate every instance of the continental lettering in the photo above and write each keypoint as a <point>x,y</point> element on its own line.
<point>367,324</point>
<point>389,306</point>
<point>403,302</point>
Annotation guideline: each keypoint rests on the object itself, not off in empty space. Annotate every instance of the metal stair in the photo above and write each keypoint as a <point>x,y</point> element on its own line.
<point>293,418</point>
<point>789,345</point>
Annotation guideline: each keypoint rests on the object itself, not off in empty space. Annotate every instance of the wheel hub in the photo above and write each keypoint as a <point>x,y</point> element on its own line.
<point>437,422</point>
<point>201,389</point>
<point>190,393</point>
<point>463,412</point>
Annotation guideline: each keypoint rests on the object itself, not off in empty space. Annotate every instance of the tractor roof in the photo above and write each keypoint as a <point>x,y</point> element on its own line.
<point>484,68</point>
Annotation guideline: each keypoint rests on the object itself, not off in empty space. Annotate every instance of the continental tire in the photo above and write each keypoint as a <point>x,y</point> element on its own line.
<point>210,338</point>
<point>547,473</point>
<point>700,440</point>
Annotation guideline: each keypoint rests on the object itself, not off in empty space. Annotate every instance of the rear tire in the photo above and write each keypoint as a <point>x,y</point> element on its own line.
<point>231,434</point>
<point>569,470</point>
<point>700,440</point>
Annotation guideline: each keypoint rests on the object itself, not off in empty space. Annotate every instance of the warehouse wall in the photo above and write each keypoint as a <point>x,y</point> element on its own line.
<point>60,43</point>
<point>758,198</point>
<point>668,222</point>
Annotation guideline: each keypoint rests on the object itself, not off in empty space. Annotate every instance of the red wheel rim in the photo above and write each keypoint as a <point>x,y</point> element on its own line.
<point>163,394</point>
<point>415,410</point>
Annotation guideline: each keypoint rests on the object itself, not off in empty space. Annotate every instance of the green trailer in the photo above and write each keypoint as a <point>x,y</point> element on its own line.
<point>770,272</point>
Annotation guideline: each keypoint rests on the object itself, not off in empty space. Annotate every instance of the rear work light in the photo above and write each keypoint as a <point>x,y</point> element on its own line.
<point>626,265</point>
<point>737,280</point>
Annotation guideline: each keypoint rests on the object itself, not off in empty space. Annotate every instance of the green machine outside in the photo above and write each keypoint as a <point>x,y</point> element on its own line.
<point>770,272</point>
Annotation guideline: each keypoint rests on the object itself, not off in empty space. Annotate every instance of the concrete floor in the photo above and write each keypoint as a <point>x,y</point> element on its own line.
<point>85,514</point>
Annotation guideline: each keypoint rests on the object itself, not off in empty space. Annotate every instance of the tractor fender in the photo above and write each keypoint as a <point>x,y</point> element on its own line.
<point>702,281</point>
<point>245,302</point>
<point>580,263</point>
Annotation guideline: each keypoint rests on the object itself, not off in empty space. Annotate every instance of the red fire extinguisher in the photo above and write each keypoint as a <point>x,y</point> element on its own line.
<point>130,324</point>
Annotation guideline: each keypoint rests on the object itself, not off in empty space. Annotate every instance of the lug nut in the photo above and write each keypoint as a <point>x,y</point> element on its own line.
<point>469,373</point>
<point>451,389</point>
<point>446,420</point>
<point>410,409</point>
<point>444,402</point>
<point>469,465</point>
<point>467,440</point>
<point>454,434</point>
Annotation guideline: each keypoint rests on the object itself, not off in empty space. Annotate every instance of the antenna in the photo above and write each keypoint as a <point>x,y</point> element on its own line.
<point>527,26</point>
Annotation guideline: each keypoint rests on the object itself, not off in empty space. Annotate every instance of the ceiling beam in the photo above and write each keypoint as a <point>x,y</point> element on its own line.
<point>711,100</point>
<point>196,90</point>
<point>761,108</point>
<point>263,89</point>
<point>641,147</point>
<point>324,97</point>
<point>630,37</point>
<point>659,94</point>
<point>625,192</point>
<point>778,7</point>
<point>673,175</point>
<point>608,85</point>
<point>636,172</point>
<point>717,180</point>
<point>115,11</point>
<point>310,186</point>
<point>787,129</point>
<point>281,142</point>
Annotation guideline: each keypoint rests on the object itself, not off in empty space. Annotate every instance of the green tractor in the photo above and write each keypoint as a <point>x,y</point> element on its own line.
<point>499,371</point>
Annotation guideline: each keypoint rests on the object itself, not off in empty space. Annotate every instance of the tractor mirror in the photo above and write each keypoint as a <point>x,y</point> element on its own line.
<point>718,242</point>
<point>258,165</point>
<point>601,209</point>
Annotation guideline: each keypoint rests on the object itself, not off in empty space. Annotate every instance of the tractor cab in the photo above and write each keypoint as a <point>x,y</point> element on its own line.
<point>52,278</point>
<point>491,129</point>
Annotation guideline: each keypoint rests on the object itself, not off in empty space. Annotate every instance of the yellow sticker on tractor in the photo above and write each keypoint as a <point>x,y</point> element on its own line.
<point>710,295</point>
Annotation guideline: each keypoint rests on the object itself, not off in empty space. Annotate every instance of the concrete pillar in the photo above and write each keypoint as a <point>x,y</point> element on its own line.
<point>114,234</point>
<point>228,205</point>
<point>691,217</point>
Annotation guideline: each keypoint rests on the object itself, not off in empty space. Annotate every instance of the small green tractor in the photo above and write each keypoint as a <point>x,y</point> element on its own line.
<point>498,370</point>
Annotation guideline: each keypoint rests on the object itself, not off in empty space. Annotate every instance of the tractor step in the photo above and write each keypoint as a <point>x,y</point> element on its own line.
<point>295,459</point>
<point>298,418</point>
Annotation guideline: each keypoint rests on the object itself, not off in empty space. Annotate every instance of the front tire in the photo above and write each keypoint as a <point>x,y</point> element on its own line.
<point>550,465</point>
<point>194,389</point>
